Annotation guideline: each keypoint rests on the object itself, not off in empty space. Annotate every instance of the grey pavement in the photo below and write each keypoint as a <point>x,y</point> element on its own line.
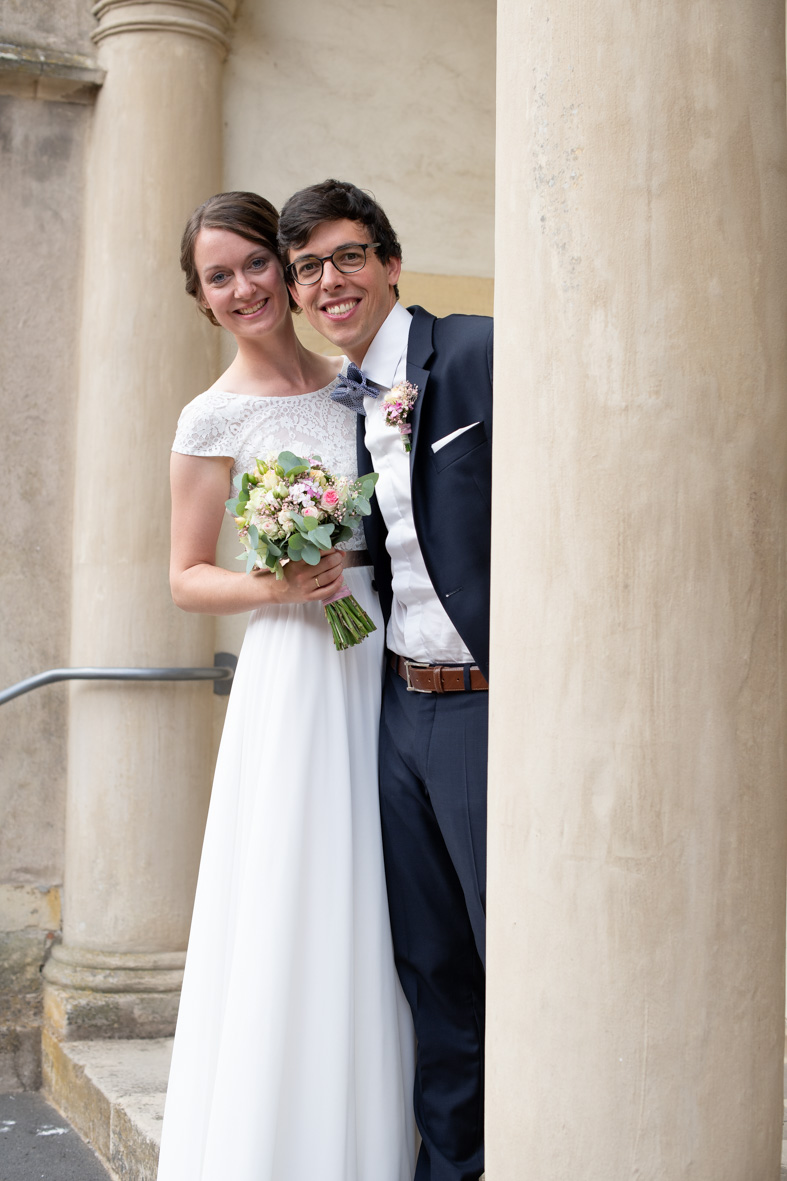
<point>37,1144</point>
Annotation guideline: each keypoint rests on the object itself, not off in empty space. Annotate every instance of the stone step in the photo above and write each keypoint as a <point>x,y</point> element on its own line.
<point>113,1093</point>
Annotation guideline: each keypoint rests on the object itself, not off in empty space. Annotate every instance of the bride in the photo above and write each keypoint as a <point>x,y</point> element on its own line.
<point>293,1052</point>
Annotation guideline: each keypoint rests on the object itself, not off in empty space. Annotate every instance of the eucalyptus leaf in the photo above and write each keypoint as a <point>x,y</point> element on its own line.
<point>288,460</point>
<point>366,483</point>
<point>321,536</point>
<point>310,554</point>
<point>310,524</point>
<point>251,559</point>
<point>254,536</point>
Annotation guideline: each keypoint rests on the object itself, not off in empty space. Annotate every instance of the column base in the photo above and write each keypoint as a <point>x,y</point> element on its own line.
<point>95,994</point>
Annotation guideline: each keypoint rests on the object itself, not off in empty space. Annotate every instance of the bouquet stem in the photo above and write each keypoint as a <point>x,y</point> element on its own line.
<point>349,622</point>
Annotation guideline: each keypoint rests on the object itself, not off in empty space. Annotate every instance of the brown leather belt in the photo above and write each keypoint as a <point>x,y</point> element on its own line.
<point>437,678</point>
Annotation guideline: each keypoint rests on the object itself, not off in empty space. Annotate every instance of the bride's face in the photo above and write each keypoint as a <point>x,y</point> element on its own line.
<point>242,282</point>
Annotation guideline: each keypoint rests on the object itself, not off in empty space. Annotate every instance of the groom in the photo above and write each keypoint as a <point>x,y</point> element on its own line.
<point>429,539</point>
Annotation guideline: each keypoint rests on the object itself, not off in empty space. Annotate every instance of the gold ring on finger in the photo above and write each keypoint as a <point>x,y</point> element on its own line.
<point>316,579</point>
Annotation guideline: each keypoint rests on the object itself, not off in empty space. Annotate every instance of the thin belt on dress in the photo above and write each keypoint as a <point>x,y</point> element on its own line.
<point>356,557</point>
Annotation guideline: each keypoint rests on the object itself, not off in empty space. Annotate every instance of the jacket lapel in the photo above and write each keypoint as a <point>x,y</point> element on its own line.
<point>419,353</point>
<point>365,464</point>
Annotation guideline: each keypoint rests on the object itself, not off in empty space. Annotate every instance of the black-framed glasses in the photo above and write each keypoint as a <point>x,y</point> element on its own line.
<point>347,259</point>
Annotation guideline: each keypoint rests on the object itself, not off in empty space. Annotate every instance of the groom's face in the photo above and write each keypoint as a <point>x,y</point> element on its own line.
<point>347,309</point>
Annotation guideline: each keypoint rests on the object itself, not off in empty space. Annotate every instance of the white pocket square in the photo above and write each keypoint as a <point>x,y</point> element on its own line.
<point>454,435</point>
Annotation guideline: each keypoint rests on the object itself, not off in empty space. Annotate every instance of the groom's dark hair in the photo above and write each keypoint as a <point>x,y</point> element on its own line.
<point>335,200</point>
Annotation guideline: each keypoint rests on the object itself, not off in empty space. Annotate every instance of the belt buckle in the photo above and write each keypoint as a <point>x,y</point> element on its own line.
<point>408,664</point>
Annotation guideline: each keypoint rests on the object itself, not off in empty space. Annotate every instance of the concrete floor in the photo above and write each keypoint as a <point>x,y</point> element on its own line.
<point>37,1144</point>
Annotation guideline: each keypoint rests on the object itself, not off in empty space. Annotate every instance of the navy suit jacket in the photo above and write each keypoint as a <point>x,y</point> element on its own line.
<point>450,360</point>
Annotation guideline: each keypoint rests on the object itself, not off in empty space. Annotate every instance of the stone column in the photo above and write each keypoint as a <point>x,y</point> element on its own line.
<point>637,802</point>
<point>139,754</point>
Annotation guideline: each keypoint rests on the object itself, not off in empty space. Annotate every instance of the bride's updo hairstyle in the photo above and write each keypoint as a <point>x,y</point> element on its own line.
<point>246,214</point>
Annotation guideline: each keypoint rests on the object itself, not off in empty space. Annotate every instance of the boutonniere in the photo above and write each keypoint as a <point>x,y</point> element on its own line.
<point>397,407</point>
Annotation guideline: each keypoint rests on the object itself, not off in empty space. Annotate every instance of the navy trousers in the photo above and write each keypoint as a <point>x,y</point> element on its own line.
<point>433,755</point>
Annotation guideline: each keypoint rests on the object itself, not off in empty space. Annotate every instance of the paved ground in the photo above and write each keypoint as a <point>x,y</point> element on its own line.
<point>36,1143</point>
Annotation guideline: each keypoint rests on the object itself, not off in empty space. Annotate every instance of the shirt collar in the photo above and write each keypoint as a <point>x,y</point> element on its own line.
<point>388,347</point>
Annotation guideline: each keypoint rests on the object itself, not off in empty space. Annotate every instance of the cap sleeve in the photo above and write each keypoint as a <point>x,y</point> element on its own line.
<point>204,429</point>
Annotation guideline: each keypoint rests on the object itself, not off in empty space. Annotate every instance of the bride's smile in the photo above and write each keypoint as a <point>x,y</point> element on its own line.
<point>256,307</point>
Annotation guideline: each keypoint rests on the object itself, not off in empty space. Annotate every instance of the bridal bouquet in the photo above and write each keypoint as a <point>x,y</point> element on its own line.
<point>294,508</point>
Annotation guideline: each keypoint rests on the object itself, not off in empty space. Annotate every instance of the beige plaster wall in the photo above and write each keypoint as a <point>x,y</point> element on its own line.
<point>400,101</point>
<point>41,147</point>
<point>41,162</point>
<point>65,25</point>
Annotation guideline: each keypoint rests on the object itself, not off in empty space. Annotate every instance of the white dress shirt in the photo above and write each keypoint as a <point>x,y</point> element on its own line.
<point>419,627</point>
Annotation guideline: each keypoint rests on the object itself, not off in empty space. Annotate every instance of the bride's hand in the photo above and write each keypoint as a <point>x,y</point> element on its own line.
<point>306,584</point>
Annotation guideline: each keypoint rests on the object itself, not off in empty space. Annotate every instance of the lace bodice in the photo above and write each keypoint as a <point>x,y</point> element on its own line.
<point>244,427</point>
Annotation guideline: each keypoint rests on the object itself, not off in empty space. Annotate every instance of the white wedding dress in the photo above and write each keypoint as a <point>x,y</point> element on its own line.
<point>293,1056</point>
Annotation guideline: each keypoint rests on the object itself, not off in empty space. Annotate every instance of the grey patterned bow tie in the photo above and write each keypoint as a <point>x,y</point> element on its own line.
<point>351,389</point>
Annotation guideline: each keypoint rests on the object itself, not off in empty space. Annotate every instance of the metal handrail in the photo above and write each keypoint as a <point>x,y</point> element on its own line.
<point>221,674</point>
